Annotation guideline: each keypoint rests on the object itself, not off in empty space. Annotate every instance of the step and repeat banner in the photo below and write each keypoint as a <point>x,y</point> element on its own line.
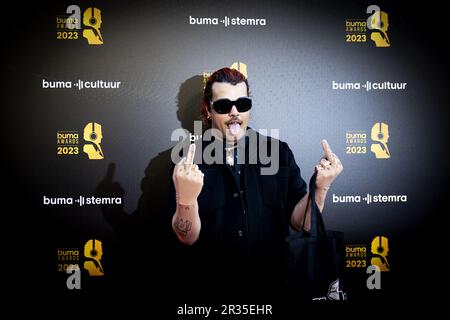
<point>96,92</point>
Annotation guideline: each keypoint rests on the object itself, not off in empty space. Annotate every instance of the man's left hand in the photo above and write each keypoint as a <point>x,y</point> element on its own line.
<point>328,168</point>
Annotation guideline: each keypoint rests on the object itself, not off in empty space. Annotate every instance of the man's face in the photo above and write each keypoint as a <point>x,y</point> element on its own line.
<point>233,124</point>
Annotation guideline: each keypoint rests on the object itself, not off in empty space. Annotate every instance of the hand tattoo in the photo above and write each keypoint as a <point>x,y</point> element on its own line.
<point>182,227</point>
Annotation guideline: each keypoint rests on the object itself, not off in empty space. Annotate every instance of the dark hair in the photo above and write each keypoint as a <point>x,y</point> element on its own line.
<point>227,75</point>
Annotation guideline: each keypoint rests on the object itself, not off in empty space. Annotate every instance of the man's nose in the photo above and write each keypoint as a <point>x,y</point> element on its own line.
<point>234,111</point>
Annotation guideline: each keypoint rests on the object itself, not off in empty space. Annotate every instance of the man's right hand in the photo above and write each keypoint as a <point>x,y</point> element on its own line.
<point>188,179</point>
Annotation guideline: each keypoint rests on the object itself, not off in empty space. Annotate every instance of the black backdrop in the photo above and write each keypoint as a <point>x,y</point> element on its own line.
<point>159,59</point>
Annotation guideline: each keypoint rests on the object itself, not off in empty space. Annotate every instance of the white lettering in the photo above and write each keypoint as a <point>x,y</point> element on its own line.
<point>205,21</point>
<point>56,84</point>
<point>74,280</point>
<point>369,198</point>
<point>81,200</point>
<point>97,84</point>
<point>236,21</point>
<point>346,85</point>
<point>374,280</point>
<point>346,199</point>
<point>188,310</point>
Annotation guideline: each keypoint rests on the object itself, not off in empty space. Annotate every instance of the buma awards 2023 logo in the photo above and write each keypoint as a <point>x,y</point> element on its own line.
<point>67,142</point>
<point>69,261</point>
<point>374,27</point>
<point>69,27</point>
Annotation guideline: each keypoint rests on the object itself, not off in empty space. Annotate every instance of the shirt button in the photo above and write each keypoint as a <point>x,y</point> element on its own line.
<point>240,233</point>
<point>239,172</point>
<point>235,195</point>
<point>242,191</point>
<point>244,212</point>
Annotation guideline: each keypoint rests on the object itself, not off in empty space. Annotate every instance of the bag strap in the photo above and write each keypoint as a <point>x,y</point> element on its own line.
<point>317,225</point>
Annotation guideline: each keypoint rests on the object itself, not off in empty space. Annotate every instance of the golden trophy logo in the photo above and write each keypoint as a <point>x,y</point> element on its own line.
<point>380,249</point>
<point>92,19</point>
<point>378,23</point>
<point>93,253</point>
<point>239,66</point>
<point>93,137</point>
<point>380,136</point>
<point>68,26</point>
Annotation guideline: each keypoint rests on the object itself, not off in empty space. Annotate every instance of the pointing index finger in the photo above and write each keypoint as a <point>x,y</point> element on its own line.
<point>327,151</point>
<point>190,155</point>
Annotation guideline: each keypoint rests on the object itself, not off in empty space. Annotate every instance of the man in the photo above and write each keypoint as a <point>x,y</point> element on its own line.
<point>231,219</point>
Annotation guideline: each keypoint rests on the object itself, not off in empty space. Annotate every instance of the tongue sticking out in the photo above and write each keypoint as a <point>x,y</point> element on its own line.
<point>234,128</point>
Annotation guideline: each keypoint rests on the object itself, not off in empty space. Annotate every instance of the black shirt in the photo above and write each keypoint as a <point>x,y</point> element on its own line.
<point>245,217</point>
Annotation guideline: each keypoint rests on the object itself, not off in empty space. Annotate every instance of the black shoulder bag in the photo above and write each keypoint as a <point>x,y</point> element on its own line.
<point>315,258</point>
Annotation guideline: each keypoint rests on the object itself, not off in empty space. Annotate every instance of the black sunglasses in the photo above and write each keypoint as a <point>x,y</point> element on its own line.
<point>224,106</point>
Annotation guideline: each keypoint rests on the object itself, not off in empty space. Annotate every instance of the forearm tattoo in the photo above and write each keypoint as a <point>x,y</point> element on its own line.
<point>182,227</point>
